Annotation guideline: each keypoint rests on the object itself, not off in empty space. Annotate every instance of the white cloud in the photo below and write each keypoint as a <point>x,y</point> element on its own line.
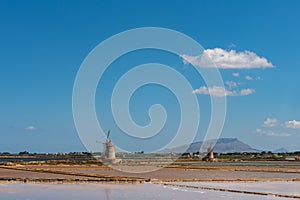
<point>292,124</point>
<point>30,128</point>
<point>236,74</point>
<point>231,59</point>
<point>271,122</point>
<point>249,78</point>
<point>231,46</point>
<point>272,133</point>
<point>232,84</point>
<point>258,130</point>
<point>245,92</point>
<point>218,91</point>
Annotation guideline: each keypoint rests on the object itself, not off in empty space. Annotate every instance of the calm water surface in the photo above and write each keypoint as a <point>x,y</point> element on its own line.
<point>286,188</point>
<point>115,191</point>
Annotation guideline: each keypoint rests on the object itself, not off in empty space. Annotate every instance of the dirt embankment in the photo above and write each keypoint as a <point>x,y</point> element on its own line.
<point>179,173</point>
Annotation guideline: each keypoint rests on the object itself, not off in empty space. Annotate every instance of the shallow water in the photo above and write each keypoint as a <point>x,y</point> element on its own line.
<point>286,188</point>
<point>114,191</point>
<point>248,163</point>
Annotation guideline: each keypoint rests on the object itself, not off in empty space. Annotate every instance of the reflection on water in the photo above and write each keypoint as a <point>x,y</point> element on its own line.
<point>107,193</point>
<point>114,191</point>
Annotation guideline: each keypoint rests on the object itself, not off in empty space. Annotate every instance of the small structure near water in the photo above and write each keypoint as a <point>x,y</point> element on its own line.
<point>210,155</point>
<point>109,155</point>
<point>109,152</point>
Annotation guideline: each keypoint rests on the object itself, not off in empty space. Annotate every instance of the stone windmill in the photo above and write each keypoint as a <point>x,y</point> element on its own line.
<point>109,149</point>
<point>210,154</point>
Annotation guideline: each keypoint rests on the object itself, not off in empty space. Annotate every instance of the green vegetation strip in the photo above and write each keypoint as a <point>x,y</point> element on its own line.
<point>233,191</point>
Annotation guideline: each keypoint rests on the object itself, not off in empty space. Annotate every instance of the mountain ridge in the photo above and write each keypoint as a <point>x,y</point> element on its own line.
<point>223,145</point>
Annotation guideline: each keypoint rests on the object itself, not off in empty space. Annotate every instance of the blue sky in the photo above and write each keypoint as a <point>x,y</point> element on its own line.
<point>43,44</point>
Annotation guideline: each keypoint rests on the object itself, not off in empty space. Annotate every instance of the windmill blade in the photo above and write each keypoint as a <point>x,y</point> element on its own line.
<point>108,133</point>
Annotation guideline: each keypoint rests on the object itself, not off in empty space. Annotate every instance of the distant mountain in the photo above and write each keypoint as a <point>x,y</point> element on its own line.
<point>223,145</point>
<point>281,150</point>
